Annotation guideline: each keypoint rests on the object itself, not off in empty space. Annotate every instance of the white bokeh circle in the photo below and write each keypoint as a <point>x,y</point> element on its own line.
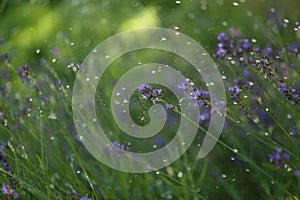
<point>93,67</point>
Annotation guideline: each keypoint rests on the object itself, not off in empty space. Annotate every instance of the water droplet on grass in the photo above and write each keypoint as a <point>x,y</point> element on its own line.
<point>224,23</point>
<point>180,174</point>
<point>235,3</point>
<point>235,151</point>
<point>266,134</point>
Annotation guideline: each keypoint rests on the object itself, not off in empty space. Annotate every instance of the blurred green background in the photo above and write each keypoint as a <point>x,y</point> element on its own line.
<point>64,32</point>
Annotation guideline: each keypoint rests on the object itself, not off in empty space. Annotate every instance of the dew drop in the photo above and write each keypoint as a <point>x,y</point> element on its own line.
<point>106,57</point>
<point>266,134</point>
<point>235,3</point>
<point>37,51</point>
<point>286,21</point>
<point>178,2</point>
<point>235,150</point>
<point>180,174</point>
<point>224,176</point>
<point>163,39</point>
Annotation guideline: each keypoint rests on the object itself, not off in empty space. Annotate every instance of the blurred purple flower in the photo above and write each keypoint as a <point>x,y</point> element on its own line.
<point>85,198</point>
<point>294,47</point>
<point>117,149</point>
<point>289,93</point>
<point>9,193</point>
<point>170,106</point>
<point>4,58</point>
<point>280,159</point>
<point>222,37</point>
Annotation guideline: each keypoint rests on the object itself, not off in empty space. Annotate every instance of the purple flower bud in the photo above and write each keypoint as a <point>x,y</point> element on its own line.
<point>222,37</point>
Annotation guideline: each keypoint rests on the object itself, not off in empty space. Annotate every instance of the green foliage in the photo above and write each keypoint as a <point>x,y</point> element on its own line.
<point>45,152</point>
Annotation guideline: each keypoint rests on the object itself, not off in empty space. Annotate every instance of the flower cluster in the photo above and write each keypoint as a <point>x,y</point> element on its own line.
<point>170,106</point>
<point>117,149</point>
<point>289,93</point>
<point>235,91</point>
<point>202,96</point>
<point>154,95</point>
<point>235,50</point>
<point>8,191</point>
<point>24,73</point>
<point>280,159</point>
